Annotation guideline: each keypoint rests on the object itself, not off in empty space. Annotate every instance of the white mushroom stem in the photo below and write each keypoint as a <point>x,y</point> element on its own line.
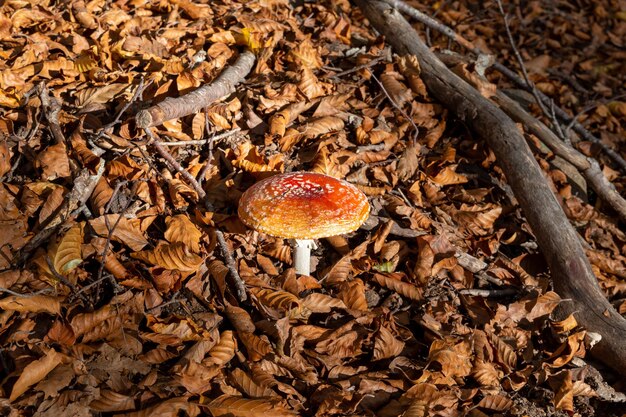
<point>302,255</point>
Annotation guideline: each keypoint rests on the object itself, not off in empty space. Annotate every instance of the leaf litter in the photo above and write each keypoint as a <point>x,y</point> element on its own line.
<point>126,308</point>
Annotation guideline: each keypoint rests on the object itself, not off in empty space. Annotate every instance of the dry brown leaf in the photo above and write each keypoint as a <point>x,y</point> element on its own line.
<point>126,231</point>
<point>248,386</point>
<point>449,176</point>
<point>5,158</point>
<point>321,303</point>
<point>36,303</point>
<point>54,163</point>
<point>498,403</point>
<point>223,351</point>
<point>352,293</point>
<point>110,401</point>
<point>392,281</point>
<point>232,406</point>
<point>398,92</point>
<point>35,372</point>
<point>168,408</point>
<point>278,299</point>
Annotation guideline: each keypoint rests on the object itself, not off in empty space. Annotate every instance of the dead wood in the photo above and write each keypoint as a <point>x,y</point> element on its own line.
<point>224,84</point>
<point>521,82</point>
<point>587,166</point>
<point>571,271</point>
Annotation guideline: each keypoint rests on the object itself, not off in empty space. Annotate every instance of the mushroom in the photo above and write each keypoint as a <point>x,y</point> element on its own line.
<point>302,206</point>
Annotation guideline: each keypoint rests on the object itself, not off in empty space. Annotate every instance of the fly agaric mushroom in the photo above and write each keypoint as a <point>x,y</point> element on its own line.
<point>303,206</point>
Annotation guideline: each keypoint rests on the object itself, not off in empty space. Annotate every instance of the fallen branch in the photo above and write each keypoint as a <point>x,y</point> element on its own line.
<point>193,102</point>
<point>511,75</point>
<point>203,141</point>
<point>588,167</point>
<point>571,271</point>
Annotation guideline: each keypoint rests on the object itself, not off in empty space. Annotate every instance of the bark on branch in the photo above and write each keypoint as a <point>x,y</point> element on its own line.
<point>224,84</point>
<point>571,272</point>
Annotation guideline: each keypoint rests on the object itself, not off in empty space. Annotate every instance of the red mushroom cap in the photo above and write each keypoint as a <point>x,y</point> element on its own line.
<point>303,205</point>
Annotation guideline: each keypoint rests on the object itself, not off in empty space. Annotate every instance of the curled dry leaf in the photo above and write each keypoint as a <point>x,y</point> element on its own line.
<point>35,372</point>
<point>398,92</point>
<point>248,386</point>
<point>352,293</point>
<point>67,255</point>
<point>498,403</point>
<point>281,300</point>
<point>110,401</point>
<point>223,351</point>
<point>168,408</point>
<point>321,303</point>
<point>171,256</point>
<point>386,345</point>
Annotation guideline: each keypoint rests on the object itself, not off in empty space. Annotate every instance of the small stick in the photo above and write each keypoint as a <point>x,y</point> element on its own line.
<point>202,141</point>
<point>358,67</point>
<point>504,292</point>
<point>549,114</point>
<point>138,91</point>
<point>173,163</point>
<point>51,110</point>
<point>223,85</point>
<point>394,104</point>
<point>230,263</point>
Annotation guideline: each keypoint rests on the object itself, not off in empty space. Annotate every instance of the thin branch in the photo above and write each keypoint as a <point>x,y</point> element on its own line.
<point>223,85</point>
<point>240,286</point>
<point>203,141</point>
<point>174,164</point>
<point>358,67</point>
<point>495,293</point>
<point>549,113</point>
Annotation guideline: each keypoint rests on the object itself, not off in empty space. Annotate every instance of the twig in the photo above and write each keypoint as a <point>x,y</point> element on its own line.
<point>395,105</point>
<point>549,114</point>
<point>174,164</point>
<point>210,142</point>
<point>511,75</point>
<point>223,85</point>
<point>84,185</point>
<point>504,292</point>
<point>230,264</point>
<point>136,95</point>
<point>202,141</point>
<point>358,67</point>
<point>51,109</point>
<point>17,294</point>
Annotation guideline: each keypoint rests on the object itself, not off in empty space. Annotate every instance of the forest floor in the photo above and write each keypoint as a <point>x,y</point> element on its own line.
<point>116,297</point>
